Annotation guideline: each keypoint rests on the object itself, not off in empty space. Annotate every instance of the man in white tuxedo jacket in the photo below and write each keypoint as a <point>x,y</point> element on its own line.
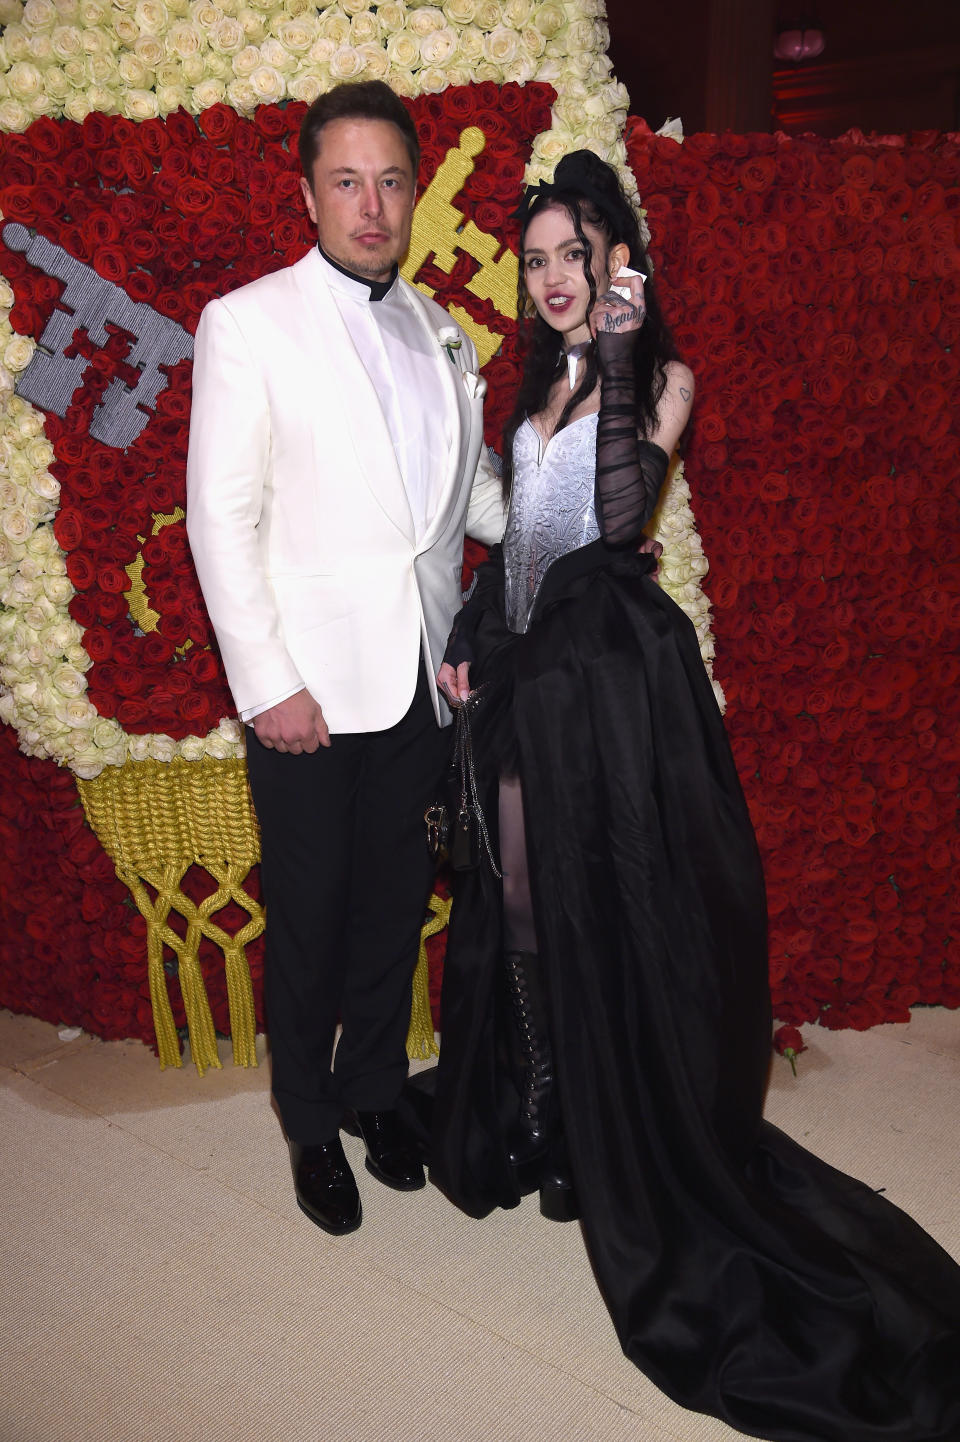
<point>336,456</point>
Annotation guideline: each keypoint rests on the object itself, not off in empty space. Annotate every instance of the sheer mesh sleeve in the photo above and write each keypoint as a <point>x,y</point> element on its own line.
<point>630,471</point>
<point>487,581</point>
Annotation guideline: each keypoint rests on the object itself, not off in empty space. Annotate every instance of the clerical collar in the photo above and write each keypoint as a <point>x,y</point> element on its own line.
<point>378,288</point>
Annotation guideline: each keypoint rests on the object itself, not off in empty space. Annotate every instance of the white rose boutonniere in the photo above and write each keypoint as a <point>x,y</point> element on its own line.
<point>450,338</point>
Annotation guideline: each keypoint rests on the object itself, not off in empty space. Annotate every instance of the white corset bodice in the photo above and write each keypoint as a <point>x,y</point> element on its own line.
<point>551,508</point>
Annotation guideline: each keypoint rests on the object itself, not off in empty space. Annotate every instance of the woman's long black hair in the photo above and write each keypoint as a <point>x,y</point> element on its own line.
<point>590,191</point>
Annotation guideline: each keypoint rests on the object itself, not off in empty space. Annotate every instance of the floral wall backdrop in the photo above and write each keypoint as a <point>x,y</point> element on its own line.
<point>815,290</point>
<point>813,287</point>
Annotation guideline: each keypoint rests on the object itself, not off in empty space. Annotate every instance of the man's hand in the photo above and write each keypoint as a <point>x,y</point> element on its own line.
<point>294,725</point>
<point>455,684</point>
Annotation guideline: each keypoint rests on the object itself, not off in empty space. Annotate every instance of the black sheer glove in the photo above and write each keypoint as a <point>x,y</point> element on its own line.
<point>630,472</point>
<point>488,581</point>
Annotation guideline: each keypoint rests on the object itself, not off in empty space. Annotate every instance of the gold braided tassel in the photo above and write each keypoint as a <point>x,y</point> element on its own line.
<point>421,1043</point>
<point>157,819</point>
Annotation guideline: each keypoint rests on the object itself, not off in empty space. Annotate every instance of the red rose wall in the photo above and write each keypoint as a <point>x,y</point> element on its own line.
<point>815,290</point>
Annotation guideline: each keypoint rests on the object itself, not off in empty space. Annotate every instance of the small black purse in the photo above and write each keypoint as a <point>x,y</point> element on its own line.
<point>457,826</point>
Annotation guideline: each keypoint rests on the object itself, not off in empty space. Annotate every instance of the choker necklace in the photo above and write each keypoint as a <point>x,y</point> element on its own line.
<point>574,355</point>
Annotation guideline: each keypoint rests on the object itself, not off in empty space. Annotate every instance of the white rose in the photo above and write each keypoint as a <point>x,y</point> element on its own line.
<point>268,84</point>
<point>39,15</point>
<point>230,729</point>
<point>30,568</point>
<point>103,70</point>
<point>253,26</point>
<point>375,62</point>
<point>139,747</point>
<point>532,43</point>
<point>10,494</point>
<point>209,92</point>
<point>228,37</point>
<point>242,96</point>
<point>60,635</point>
<point>219,747</point>
<point>548,148</point>
<point>126,29</point>
<point>68,681</point>
<point>459,75</point>
<point>403,50</point>
<point>16,526</point>
<point>163,748</point>
<point>501,45</point>
<point>246,62</point>
<point>87,763</point>
<point>184,39</point>
<point>194,71</point>
<point>299,34</point>
<point>486,70</point>
<point>76,71</point>
<point>323,50</point>
<point>335,25</point>
<point>106,733</point>
<point>218,67</point>
<point>403,82</point>
<point>78,714</point>
<point>134,74</point>
<point>93,13</point>
<point>432,80</point>
<point>149,50</point>
<point>364,29</point>
<point>345,63</point>
<point>24,81</point>
<point>168,72</point>
<point>391,17</point>
<point>424,21</point>
<point>353,7</point>
<point>41,49</point>
<point>58,589</point>
<point>140,105</point>
<point>550,19</point>
<point>192,748</point>
<point>38,508</point>
<point>277,55</point>
<point>460,12</point>
<point>205,14</point>
<point>171,97</point>
<point>76,107</point>
<point>439,47</point>
<point>518,13</point>
<point>471,45</point>
<point>487,16</point>
<point>6,295</point>
<point>304,87</point>
<point>66,42</point>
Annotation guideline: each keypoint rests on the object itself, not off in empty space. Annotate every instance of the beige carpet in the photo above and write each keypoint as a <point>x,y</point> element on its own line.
<point>158,1282</point>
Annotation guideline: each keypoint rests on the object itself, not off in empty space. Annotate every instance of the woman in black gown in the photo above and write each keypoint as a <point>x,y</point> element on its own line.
<point>605,1011</point>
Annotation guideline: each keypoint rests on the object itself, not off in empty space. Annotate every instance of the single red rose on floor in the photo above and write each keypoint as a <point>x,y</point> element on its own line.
<point>788,1042</point>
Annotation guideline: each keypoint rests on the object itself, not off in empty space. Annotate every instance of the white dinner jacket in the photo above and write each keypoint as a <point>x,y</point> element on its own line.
<point>297,514</point>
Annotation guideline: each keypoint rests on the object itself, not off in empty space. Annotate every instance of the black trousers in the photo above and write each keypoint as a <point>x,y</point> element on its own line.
<point>346,877</point>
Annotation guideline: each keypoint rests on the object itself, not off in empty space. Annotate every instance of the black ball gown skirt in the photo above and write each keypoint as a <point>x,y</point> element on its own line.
<point>745,1277</point>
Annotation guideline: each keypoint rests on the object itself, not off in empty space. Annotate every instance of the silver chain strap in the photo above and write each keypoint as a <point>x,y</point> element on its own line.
<point>469,798</point>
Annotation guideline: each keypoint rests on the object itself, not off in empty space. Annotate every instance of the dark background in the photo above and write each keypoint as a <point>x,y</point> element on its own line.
<point>888,65</point>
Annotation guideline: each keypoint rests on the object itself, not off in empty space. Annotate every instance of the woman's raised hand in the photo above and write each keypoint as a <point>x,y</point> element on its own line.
<point>614,315</point>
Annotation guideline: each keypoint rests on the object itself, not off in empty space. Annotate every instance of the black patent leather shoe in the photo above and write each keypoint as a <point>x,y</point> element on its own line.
<point>325,1186</point>
<point>391,1156</point>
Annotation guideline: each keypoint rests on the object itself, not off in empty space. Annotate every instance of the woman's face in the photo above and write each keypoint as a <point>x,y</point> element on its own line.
<point>553,271</point>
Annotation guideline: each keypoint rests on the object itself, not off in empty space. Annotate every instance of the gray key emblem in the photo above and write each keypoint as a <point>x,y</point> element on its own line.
<point>51,378</point>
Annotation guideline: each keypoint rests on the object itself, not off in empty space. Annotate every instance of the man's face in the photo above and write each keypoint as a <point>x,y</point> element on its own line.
<point>361,195</point>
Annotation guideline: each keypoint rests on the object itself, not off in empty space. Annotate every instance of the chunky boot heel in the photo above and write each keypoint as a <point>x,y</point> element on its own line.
<point>558,1202</point>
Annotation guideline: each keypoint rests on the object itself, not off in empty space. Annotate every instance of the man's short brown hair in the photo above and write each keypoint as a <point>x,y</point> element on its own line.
<point>356,100</point>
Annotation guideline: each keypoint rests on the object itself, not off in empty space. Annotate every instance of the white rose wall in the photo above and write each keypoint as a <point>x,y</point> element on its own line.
<point>148,163</point>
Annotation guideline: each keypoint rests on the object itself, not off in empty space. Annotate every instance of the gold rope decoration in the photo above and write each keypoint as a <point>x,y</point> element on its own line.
<point>157,819</point>
<point>421,1043</point>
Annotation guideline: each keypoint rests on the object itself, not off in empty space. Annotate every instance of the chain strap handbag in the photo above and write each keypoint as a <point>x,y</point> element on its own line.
<point>458,826</point>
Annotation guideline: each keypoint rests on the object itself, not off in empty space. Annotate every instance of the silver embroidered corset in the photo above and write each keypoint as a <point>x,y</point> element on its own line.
<point>551,508</point>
